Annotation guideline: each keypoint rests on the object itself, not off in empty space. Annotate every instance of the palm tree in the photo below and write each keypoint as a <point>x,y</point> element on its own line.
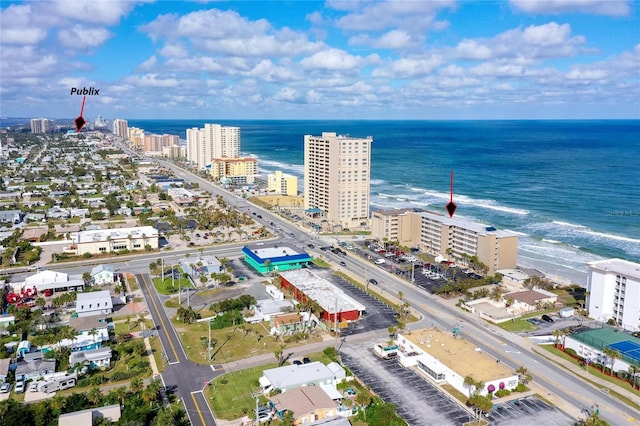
<point>136,385</point>
<point>523,375</point>
<point>557,333</point>
<point>634,371</point>
<point>469,382</point>
<point>93,333</point>
<point>94,396</point>
<point>612,355</point>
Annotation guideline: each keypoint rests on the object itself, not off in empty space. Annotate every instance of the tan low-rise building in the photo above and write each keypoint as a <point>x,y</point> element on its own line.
<point>308,404</point>
<point>450,238</point>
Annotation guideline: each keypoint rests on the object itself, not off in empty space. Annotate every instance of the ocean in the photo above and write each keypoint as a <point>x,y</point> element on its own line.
<point>569,189</point>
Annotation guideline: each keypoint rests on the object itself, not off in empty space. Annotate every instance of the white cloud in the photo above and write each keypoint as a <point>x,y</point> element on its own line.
<point>80,37</point>
<point>106,12</point>
<point>408,67</point>
<point>174,50</point>
<point>595,7</point>
<point>372,16</point>
<point>332,59</point>
<point>394,39</point>
<point>472,49</point>
<point>151,80</point>
<point>18,27</point>
<point>148,65</point>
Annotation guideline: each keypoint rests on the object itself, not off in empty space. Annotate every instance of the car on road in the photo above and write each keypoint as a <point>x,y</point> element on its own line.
<point>259,216</point>
<point>311,246</point>
<point>373,281</point>
<point>547,318</point>
<point>5,388</point>
<point>19,387</point>
<point>325,248</point>
<point>343,264</point>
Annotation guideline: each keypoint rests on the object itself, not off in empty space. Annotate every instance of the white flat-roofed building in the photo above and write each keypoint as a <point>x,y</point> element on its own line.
<point>449,359</point>
<point>336,304</point>
<point>53,280</point>
<point>613,289</point>
<point>91,416</point>
<point>266,308</point>
<point>99,357</point>
<point>337,177</point>
<point>94,303</point>
<point>117,239</point>
<point>294,376</point>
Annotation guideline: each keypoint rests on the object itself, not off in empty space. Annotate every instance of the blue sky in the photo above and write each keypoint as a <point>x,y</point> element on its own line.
<point>407,59</point>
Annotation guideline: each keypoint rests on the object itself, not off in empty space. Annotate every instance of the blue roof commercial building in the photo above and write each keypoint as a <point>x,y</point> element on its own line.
<point>273,258</point>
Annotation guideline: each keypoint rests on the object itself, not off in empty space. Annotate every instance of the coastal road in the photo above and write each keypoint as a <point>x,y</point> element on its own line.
<point>188,377</point>
<point>571,393</point>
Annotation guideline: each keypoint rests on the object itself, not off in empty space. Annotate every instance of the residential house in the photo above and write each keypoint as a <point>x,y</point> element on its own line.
<point>90,331</point>
<point>6,321</point>
<point>4,369</point>
<point>91,416</point>
<point>294,376</point>
<point>265,309</point>
<point>13,217</point>
<point>96,358</point>
<point>57,213</point>
<point>307,404</point>
<point>94,303</point>
<point>34,370</point>
<point>102,275</point>
<point>79,213</point>
<point>286,324</point>
<point>529,300</point>
<point>202,265</point>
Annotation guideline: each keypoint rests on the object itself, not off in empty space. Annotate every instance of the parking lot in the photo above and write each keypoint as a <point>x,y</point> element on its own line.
<point>417,401</point>
<point>379,316</point>
<point>420,402</point>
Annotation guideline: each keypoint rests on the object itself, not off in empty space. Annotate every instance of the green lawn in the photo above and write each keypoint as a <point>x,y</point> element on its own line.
<point>230,395</point>
<point>230,345</point>
<point>167,286</point>
<point>156,349</point>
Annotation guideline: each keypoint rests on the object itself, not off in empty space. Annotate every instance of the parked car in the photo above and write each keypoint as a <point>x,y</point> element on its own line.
<point>379,261</point>
<point>306,360</point>
<point>33,387</point>
<point>19,387</point>
<point>547,318</point>
<point>297,362</point>
<point>5,388</point>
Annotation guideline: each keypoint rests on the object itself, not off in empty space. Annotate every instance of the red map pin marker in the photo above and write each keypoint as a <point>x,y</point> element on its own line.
<point>80,122</point>
<point>451,206</point>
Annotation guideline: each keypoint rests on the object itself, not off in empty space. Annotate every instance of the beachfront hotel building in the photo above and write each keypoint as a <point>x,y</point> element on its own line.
<point>120,127</point>
<point>613,289</point>
<point>239,170</point>
<point>337,178</point>
<point>282,183</point>
<point>136,137</point>
<point>447,237</point>
<point>212,141</point>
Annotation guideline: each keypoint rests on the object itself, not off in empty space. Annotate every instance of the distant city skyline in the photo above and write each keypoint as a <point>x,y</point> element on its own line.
<point>425,60</point>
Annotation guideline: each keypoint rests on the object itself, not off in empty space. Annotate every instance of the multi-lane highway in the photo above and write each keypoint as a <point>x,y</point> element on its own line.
<point>561,387</point>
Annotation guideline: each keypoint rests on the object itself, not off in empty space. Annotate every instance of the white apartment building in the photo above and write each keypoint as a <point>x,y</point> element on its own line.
<point>337,177</point>
<point>40,125</point>
<point>120,128</point>
<point>282,183</point>
<point>213,141</point>
<point>613,289</point>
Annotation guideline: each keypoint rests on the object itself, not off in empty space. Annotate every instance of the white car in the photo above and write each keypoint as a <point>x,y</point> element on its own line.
<point>5,388</point>
<point>19,387</point>
<point>379,261</point>
<point>33,387</point>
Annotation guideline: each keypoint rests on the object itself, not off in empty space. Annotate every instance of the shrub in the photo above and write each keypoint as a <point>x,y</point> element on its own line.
<point>521,388</point>
<point>571,352</point>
